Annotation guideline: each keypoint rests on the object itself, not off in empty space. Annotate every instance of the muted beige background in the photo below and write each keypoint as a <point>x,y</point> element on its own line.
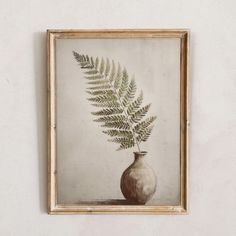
<point>89,167</point>
<point>23,115</point>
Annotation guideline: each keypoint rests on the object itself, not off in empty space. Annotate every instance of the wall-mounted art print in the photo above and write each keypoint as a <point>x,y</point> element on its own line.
<point>118,121</point>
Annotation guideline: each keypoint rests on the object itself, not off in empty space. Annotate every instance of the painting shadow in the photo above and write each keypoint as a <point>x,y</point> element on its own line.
<point>40,77</point>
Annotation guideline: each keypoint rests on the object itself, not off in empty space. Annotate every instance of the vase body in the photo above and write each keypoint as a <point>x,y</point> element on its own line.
<point>138,182</point>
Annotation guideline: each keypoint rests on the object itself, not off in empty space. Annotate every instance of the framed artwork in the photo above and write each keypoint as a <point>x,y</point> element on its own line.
<point>118,121</point>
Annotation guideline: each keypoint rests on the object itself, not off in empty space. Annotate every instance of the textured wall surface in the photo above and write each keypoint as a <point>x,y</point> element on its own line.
<point>23,93</point>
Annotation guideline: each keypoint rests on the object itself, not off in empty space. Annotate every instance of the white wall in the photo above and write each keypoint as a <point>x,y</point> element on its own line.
<point>23,114</point>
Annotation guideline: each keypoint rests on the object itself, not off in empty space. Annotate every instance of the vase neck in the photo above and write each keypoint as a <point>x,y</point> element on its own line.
<point>139,155</point>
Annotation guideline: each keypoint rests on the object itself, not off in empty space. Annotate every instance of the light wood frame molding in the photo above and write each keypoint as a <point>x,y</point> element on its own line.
<point>53,206</point>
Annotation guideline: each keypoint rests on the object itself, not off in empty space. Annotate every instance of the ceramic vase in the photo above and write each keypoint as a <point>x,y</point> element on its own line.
<point>138,182</point>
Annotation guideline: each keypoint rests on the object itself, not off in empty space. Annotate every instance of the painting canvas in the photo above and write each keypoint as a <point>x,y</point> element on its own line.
<point>118,121</point>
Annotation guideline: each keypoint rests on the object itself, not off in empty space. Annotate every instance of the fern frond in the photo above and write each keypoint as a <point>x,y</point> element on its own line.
<point>107,112</point>
<point>103,98</point>
<point>117,125</point>
<point>124,84</point>
<point>115,132</point>
<point>99,82</point>
<point>107,70</point>
<point>107,86</point>
<point>113,72</point>
<point>138,115</point>
<point>112,90</point>
<point>118,78</point>
<point>125,142</point>
<point>110,104</point>
<point>102,66</point>
<point>91,72</point>
<point>96,63</point>
<point>126,145</point>
<point>129,96</point>
<point>91,62</point>
<point>140,127</point>
<point>85,65</point>
<point>77,56</point>
<point>94,77</point>
<point>114,118</point>
<point>144,135</point>
<point>100,92</point>
<point>134,106</point>
<point>121,140</point>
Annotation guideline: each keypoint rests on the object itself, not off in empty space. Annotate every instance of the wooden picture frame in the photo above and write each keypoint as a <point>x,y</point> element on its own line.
<point>57,207</point>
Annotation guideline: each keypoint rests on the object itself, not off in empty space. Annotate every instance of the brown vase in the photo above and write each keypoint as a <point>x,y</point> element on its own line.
<point>138,182</point>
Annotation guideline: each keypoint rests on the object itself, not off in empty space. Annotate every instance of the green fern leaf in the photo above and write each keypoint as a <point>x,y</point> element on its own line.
<point>126,145</point>
<point>77,56</point>
<point>118,78</point>
<point>140,127</point>
<point>107,70</point>
<point>115,132</point>
<point>100,92</point>
<point>94,77</point>
<point>110,104</point>
<point>134,106</point>
<point>85,65</point>
<point>107,112</point>
<point>113,72</point>
<point>121,140</point>
<point>91,72</point>
<point>144,135</point>
<point>102,66</point>
<point>138,115</point>
<point>113,91</point>
<point>114,118</point>
<point>124,84</point>
<point>103,98</point>
<point>106,86</point>
<point>124,142</point>
<point>91,62</point>
<point>96,63</point>
<point>117,125</point>
<point>99,82</point>
<point>129,96</point>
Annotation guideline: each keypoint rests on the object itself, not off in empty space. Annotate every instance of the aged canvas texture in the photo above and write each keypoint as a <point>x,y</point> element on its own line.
<point>89,167</point>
